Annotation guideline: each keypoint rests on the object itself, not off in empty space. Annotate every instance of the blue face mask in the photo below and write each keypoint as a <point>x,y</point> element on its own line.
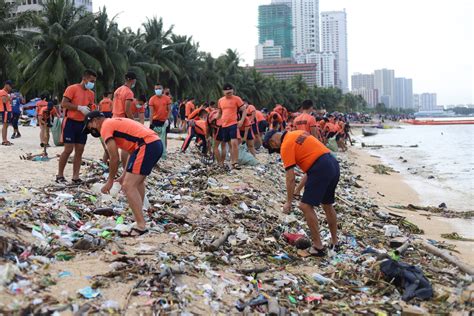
<point>158,92</point>
<point>90,85</point>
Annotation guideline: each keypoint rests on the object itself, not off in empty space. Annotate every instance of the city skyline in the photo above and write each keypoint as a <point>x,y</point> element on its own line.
<point>412,47</point>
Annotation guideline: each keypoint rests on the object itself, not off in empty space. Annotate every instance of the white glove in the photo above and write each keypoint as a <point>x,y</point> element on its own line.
<point>83,109</point>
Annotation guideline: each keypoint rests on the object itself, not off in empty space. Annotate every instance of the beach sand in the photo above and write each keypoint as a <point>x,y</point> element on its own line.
<point>390,190</point>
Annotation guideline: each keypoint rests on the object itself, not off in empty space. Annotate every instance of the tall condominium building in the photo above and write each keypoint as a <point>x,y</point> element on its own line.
<point>305,15</point>
<point>403,98</point>
<point>428,102</point>
<point>334,40</point>
<point>384,82</point>
<point>371,96</point>
<point>36,5</point>
<point>268,50</point>
<point>326,73</point>
<point>274,23</point>
<point>362,81</point>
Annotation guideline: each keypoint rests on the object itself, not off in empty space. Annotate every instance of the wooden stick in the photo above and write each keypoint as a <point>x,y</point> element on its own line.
<point>216,244</point>
<point>447,257</point>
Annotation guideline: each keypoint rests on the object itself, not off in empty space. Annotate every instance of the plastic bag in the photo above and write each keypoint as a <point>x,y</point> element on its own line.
<point>246,158</point>
<point>332,145</point>
<point>56,131</point>
<point>161,131</point>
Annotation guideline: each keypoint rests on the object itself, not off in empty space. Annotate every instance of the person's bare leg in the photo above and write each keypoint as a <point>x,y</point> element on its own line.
<point>234,150</point>
<point>301,185</point>
<point>46,135</point>
<point>68,149</point>
<point>217,154</point>
<point>141,189</point>
<point>4,132</point>
<point>224,151</point>
<point>135,200</point>
<point>313,224</point>
<point>331,217</point>
<point>76,165</point>
<point>124,159</point>
<point>41,133</point>
<point>251,147</point>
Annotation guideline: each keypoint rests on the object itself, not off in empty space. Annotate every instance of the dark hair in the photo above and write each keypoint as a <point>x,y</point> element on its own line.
<point>212,103</point>
<point>158,84</point>
<point>89,72</point>
<point>142,98</point>
<point>307,104</point>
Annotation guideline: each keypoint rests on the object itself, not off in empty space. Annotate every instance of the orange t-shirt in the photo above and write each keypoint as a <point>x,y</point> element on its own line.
<point>245,124</point>
<point>280,109</point>
<point>259,116</point>
<point>106,105</point>
<point>52,113</point>
<point>304,122</point>
<point>128,134</point>
<point>77,95</point>
<point>250,111</point>
<point>8,105</point>
<point>121,95</point>
<point>160,107</point>
<point>40,106</point>
<point>278,117</point>
<point>136,108</point>
<point>230,108</point>
<point>194,114</point>
<point>300,149</point>
<point>200,127</point>
<point>212,119</point>
<point>331,127</point>
<point>189,108</point>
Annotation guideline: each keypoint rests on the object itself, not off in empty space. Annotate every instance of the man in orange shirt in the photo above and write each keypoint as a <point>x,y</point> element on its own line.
<point>5,111</point>
<point>197,128</point>
<point>229,106</point>
<point>78,101</point>
<point>123,97</point>
<point>301,149</point>
<point>160,109</point>
<point>105,106</point>
<point>305,121</point>
<point>189,107</point>
<point>144,148</point>
<point>138,109</point>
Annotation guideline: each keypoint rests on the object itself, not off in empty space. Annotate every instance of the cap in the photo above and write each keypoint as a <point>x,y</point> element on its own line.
<point>89,117</point>
<point>266,141</point>
<point>130,75</point>
<point>9,82</point>
<point>227,86</point>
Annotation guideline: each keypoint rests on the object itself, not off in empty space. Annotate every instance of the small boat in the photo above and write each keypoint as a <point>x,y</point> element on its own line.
<point>369,131</point>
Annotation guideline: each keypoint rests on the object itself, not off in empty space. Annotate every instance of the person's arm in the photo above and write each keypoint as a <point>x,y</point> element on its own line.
<point>290,189</point>
<point>128,109</point>
<point>314,131</point>
<point>112,150</point>
<point>219,114</point>
<point>4,102</point>
<point>66,104</point>
<point>141,118</point>
<point>169,108</point>
<point>152,110</point>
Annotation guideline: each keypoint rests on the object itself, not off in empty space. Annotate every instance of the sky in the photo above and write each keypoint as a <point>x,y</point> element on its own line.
<point>430,41</point>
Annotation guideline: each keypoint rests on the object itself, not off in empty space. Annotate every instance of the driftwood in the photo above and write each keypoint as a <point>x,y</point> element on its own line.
<point>447,257</point>
<point>216,244</point>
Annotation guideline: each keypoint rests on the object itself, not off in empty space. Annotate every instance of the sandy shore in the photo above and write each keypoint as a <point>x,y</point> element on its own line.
<point>389,190</point>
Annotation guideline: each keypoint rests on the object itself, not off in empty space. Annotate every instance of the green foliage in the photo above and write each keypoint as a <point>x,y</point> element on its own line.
<point>66,40</point>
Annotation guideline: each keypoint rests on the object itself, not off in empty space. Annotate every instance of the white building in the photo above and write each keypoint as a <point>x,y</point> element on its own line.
<point>371,96</point>
<point>362,81</point>
<point>403,97</point>
<point>428,102</point>
<point>326,73</point>
<point>268,50</point>
<point>35,5</point>
<point>305,19</point>
<point>384,81</point>
<point>334,40</point>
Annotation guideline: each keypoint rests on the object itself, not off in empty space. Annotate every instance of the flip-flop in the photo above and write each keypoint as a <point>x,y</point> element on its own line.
<point>317,252</point>
<point>61,180</point>
<point>77,181</point>
<point>138,233</point>
<point>7,143</point>
<point>236,166</point>
<point>336,247</point>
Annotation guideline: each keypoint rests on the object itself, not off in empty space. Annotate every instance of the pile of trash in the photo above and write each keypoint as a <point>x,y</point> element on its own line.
<point>218,243</point>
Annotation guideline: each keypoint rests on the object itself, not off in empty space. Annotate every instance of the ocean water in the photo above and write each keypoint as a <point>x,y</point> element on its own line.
<point>440,169</point>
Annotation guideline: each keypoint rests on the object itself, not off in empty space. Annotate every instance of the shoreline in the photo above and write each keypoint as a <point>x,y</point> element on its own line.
<point>396,190</point>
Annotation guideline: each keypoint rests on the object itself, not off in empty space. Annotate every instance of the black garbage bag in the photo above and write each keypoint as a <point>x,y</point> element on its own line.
<point>408,277</point>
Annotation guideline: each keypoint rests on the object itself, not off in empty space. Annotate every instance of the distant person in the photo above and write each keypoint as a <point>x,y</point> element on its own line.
<point>5,111</point>
<point>189,107</point>
<point>77,102</point>
<point>144,149</point>
<point>105,105</point>
<point>175,113</point>
<point>17,102</point>
<point>138,109</point>
<point>160,109</point>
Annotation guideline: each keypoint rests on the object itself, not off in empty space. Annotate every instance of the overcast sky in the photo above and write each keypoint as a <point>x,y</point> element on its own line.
<point>430,41</point>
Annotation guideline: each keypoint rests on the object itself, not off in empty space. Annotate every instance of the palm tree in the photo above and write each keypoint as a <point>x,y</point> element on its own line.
<point>12,38</point>
<point>66,47</point>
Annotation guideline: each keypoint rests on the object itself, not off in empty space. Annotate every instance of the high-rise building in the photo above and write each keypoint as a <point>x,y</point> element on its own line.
<point>268,50</point>
<point>36,5</point>
<point>384,82</point>
<point>305,17</point>
<point>289,71</point>
<point>428,102</point>
<point>362,81</point>
<point>326,73</point>
<point>274,23</point>
<point>416,102</point>
<point>371,96</point>
<point>334,40</point>
<point>403,97</point>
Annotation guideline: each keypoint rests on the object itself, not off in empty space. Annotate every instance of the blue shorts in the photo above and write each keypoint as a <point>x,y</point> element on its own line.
<point>322,181</point>
<point>5,117</point>
<point>249,134</point>
<point>107,114</point>
<point>225,134</point>
<point>143,159</point>
<point>72,132</point>
<point>262,126</point>
<point>255,129</point>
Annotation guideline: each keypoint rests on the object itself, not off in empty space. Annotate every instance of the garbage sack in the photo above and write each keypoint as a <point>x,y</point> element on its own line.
<point>246,158</point>
<point>161,131</point>
<point>56,131</point>
<point>409,277</point>
<point>332,145</point>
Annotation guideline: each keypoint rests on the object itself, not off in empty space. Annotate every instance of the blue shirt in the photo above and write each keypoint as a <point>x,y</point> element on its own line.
<point>174,108</point>
<point>16,103</point>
